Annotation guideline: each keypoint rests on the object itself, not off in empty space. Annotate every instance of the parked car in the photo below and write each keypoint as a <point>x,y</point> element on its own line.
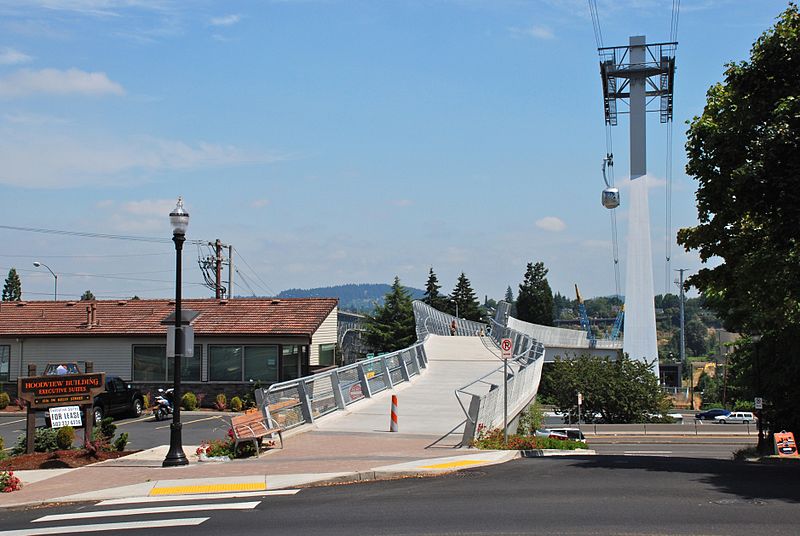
<point>572,433</point>
<point>737,417</point>
<point>120,398</point>
<point>711,414</point>
<point>552,434</point>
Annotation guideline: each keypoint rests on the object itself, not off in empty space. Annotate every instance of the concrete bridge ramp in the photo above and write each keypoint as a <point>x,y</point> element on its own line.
<point>427,405</point>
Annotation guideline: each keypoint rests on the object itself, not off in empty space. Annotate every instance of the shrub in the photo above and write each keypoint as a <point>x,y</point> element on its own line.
<point>531,419</point>
<point>121,442</point>
<point>744,453</point>
<point>744,405</point>
<point>5,400</point>
<point>189,401</point>
<point>221,403</point>
<point>44,440</point>
<point>65,437</point>
<point>493,440</point>
<point>236,404</point>
<point>20,403</point>
<point>8,482</point>
<point>108,428</point>
<point>146,400</point>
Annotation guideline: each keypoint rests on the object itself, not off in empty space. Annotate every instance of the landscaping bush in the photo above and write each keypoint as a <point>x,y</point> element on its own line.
<point>531,419</point>
<point>5,400</point>
<point>8,482</point>
<point>121,442</point>
<point>221,403</point>
<point>44,440</point>
<point>493,440</point>
<point>107,428</point>
<point>65,437</point>
<point>236,404</point>
<point>189,401</point>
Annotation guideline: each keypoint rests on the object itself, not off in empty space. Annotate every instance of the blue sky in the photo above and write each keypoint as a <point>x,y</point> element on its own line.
<point>335,141</point>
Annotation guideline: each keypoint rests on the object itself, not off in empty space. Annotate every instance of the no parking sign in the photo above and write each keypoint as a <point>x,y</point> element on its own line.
<point>507,348</point>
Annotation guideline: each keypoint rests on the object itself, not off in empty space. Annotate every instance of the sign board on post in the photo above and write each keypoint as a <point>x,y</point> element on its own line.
<point>65,416</point>
<point>507,348</point>
<point>47,391</point>
<point>759,403</point>
<point>580,398</point>
<point>188,341</point>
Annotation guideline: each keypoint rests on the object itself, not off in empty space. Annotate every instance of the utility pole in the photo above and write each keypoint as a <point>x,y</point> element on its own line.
<point>639,73</point>
<point>683,325</point>
<point>218,269</point>
<point>230,272</point>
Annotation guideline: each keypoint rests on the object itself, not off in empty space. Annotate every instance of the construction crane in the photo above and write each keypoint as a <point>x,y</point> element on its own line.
<point>617,324</point>
<point>585,319</point>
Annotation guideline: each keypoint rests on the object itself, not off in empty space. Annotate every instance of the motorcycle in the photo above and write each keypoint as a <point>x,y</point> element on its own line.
<point>163,404</point>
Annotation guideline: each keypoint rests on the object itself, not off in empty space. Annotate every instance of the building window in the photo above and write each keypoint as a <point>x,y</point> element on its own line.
<point>5,362</point>
<point>290,362</point>
<point>261,363</point>
<point>243,363</point>
<point>150,364</point>
<point>225,363</point>
<point>327,354</point>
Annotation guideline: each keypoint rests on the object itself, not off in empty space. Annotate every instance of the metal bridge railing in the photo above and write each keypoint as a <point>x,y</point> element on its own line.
<point>301,401</point>
<point>431,321</point>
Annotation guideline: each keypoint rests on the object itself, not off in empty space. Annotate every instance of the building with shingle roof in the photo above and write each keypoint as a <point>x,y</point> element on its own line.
<point>235,341</point>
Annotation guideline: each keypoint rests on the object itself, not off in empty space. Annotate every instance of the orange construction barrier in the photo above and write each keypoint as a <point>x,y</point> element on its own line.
<point>393,422</point>
<point>785,445</point>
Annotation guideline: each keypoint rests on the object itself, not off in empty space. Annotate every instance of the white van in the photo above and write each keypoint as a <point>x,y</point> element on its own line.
<point>738,417</point>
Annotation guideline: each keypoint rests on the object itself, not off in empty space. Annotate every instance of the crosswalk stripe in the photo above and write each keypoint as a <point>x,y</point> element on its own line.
<point>148,511</point>
<point>99,527</point>
<point>175,498</point>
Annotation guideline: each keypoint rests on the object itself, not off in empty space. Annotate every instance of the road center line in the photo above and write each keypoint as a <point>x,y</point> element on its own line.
<point>190,422</point>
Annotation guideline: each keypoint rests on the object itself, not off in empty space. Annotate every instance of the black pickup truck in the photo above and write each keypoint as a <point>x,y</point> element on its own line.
<point>119,399</point>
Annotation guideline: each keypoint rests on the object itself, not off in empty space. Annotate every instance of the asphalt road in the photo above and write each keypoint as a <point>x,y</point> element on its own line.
<point>598,495</point>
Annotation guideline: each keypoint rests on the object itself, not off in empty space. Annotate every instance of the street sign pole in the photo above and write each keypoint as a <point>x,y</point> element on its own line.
<point>580,401</point>
<point>507,350</point>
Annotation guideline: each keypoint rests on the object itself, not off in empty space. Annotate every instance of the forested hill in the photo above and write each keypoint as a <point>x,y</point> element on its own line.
<point>353,297</point>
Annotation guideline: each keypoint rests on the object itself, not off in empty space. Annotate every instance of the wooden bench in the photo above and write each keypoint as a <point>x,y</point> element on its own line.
<point>253,427</point>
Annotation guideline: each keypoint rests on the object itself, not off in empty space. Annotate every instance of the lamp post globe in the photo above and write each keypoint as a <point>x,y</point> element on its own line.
<point>179,219</point>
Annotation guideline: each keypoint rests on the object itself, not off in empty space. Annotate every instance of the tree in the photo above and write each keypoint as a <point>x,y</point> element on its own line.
<point>535,299</point>
<point>432,296</point>
<point>696,338</point>
<point>463,297</point>
<point>392,326</point>
<point>621,391</point>
<point>744,151</point>
<point>12,290</point>
<point>87,296</point>
<point>509,295</point>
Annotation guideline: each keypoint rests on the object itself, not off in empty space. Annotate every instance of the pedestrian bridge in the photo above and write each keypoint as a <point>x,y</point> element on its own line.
<point>448,386</point>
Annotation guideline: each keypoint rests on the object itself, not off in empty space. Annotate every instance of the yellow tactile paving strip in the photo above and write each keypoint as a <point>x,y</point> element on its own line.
<point>208,488</point>
<point>459,463</point>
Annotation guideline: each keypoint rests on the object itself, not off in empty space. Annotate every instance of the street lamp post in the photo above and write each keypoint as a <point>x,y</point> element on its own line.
<point>55,277</point>
<point>179,219</point>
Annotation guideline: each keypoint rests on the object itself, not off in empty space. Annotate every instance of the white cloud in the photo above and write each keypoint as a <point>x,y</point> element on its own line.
<point>27,82</point>
<point>147,215</point>
<point>401,202</point>
<point>536,31</point>
<point>43,160</point>
<point>227,20</point>
<point>10,56</point>
<point>259,203</point>
<point>551,223</point>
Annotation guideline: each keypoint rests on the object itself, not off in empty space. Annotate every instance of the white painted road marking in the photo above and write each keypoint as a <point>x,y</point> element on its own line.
<point>148,511</point>
<point>648,452</point>
<point>12,422</point>
<point>99,527</point>
<point>166,498</point>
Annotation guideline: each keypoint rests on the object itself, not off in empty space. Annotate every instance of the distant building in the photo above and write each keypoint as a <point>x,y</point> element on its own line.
<point>236,341</point>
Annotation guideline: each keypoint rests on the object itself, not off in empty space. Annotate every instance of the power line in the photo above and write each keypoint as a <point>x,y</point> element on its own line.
<point>89,256</point>
<point>94,235</point>
<point>265,286</point>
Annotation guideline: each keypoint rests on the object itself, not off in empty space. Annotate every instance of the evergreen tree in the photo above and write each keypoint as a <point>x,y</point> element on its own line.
<point>87,296</point>
<point>12,291</point>
<point>464,297</point>
<point>535,299</point>
<point>392,326</point>
<point>432,296</point>
<point>509,295</point>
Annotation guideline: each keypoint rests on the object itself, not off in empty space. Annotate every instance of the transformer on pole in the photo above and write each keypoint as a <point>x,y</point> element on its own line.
<point>638,74</point>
